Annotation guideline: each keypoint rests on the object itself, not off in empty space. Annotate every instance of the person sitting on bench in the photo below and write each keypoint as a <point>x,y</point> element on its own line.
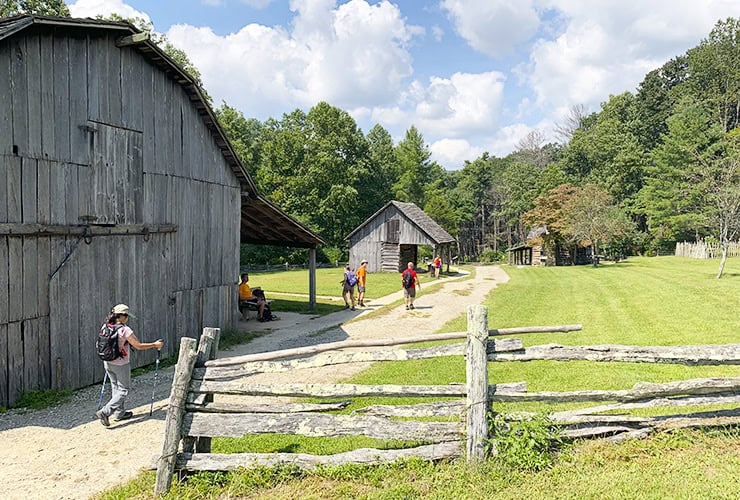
<point>253,297</point>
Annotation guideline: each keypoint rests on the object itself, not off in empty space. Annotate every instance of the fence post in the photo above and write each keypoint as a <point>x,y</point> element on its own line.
<point>476,367</point>
<point>207,348</point>
<point>175,411</point>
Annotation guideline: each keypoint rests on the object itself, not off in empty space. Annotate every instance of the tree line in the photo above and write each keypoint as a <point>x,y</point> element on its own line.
<point>646,170</point>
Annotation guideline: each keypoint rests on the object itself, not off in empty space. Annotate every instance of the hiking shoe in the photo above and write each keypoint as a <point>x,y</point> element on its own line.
<point>352,308</point>
<point>123,416</point>
<point>411,306</point>
<point>103,418</point>
<point>407,308</point>
<point>346,306</point>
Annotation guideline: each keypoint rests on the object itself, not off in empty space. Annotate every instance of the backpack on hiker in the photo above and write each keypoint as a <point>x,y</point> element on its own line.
<point>407,279</point>
<point>350,279</point>
<point>106,344</point>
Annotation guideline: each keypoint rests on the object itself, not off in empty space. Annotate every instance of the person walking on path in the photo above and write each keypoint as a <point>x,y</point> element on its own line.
<point>361,279</point>
<point>437,266</point>
<point>348,287</point>
<point>119,369</point>
<point>409,282</point>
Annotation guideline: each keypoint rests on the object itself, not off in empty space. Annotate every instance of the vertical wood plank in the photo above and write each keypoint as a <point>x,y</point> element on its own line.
<point>42,274</point>
<point>69,286</point>
<point>61,91</point>
<point>46,81</point>
<point>114,80</point>
<point>30,336</point>
<point>13,189</point>
<point>72,195</point>
<point>6,104</point>
<point>15,362</point>
<point>4,160</point>
<point>43,210</point>
<point>19,91</point>
<point>94,75</point>
<point>15,275</point>
<point>4,399</point>
<point>44,359</point>
<point>30,277</point>
<point>57,194</point>
<point>476,368</point>
<point>90,309</point>
<point>58,345</point>
<point>29,194</point>
<point>78,138</point>
<point>148,116</point>
<point>33,85</point>
<point>4,283</point>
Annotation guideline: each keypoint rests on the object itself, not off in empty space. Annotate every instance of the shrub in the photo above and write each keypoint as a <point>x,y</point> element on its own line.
<point>527,445</point>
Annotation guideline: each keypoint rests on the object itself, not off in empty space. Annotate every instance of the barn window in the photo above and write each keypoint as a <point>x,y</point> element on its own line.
<point>392,230</point>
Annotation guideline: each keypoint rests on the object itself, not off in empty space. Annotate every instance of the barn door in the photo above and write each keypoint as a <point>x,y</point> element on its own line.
<point>111,189</point>
<point>392,230</point>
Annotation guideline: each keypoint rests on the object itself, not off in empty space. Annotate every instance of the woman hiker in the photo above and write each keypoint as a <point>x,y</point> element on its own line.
<point>119,369</point>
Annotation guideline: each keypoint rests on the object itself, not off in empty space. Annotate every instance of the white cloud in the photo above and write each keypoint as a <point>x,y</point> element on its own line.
<point>257,4</point>
<point>92,8</point>
<point>493,27</point>
<point>452,153</point>
<point>350,56</point>
<point>607,47</point>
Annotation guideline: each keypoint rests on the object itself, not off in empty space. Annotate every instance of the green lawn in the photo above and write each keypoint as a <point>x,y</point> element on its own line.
<point>645,301</point>
<point>328,282</point>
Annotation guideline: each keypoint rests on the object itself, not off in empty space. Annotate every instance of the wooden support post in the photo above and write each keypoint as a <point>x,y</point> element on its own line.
<point>477,383</point>
<point>312,279</point>
<point>175,412</point>
<point>206,351</point>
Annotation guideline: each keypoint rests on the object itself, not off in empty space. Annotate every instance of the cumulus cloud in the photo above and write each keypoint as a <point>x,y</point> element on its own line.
<point>452,153</point>
<point>493,27</point>
<point>92,8</point>
<point>352,55</point>
<point>607,47</point>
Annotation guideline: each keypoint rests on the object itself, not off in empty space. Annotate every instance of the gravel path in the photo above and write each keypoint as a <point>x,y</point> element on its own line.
<point>63,453</point>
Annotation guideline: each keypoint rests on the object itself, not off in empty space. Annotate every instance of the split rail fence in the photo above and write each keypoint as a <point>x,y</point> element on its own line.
<point>194,417</point>
<point>704,250</point>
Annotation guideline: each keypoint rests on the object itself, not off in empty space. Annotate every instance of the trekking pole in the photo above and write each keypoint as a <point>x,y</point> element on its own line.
<point>102,390</point>
<point>154,384</point>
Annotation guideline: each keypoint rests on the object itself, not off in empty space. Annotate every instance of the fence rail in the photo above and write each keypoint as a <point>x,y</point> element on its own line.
<point>704,250</point>
<point>194,417</point>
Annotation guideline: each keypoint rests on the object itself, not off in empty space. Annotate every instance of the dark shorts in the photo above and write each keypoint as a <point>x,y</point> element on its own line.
<point>409,293</point>
<point>360,289</point>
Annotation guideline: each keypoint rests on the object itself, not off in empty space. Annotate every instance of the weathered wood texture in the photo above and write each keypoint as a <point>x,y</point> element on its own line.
<point>207,349</point>
<point>335,358</point>
<point>721,398</point>
<point>436,409</point>
<point>216,407</point>
<point>687,355</point>
<point>90,134</point>
<point>476,370</point>
<point>368,456</point>
<point>304,424</point>
<point>175,411</point>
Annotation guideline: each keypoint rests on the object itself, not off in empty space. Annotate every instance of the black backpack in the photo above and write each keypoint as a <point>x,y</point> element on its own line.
<point>106,344</point>
<point>408,279</point>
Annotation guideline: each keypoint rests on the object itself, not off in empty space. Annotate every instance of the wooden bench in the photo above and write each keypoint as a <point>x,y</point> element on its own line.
<point>246,307</point>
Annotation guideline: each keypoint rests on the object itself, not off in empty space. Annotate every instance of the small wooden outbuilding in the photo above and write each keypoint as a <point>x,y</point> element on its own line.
<point>389,239</point>
<point>117,185</point>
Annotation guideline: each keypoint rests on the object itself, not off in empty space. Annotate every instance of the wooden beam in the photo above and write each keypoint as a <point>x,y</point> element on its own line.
<point>369,456</point>
<point>135,39</point>
<point>79,230</point>
<point>317,425</point>
<point>476,369</point>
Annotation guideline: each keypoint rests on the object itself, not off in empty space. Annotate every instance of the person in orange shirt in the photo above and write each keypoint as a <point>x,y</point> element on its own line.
<point>361,278</point>
<point>437,266</point>
<point>246,295</point>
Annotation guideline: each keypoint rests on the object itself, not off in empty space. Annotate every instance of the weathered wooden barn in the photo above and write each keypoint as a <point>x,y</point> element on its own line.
<point>116,185</point>
<point>537,251</point>
<point>389,239</point>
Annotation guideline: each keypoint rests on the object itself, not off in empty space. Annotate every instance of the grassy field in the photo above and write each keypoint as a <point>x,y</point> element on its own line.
<point>644,301</point>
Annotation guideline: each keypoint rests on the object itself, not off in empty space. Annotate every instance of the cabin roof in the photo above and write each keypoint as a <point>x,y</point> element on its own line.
<point>261,230</point>
<point>416,216</point>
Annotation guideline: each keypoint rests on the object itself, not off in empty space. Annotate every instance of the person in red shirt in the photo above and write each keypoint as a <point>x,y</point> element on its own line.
<point>409,282</point>
<point>437,266</point>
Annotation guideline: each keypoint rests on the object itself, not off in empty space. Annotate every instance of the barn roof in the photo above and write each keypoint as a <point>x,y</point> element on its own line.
<point>416,216</point>
<point>289,231</point>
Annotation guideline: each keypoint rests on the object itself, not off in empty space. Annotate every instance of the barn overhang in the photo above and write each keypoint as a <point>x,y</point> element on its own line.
<point>263,223</point>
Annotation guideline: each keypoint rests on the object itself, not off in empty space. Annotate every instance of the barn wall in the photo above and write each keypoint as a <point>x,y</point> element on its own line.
<point>91,130</point>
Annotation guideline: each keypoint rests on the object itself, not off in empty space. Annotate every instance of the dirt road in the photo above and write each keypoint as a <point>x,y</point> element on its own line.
<point>63,453</point>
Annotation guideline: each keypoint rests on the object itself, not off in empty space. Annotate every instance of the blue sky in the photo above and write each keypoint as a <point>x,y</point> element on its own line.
<point>473,76</point>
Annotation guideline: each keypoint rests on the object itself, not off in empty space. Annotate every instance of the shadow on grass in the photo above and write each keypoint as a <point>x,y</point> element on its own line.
<point>301,306</point>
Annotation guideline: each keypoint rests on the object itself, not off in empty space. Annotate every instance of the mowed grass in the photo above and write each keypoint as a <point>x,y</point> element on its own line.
<point>643,301</point>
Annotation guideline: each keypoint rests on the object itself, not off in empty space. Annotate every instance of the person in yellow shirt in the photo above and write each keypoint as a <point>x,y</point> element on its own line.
<point>361,278</point>
<point>246,295</point>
